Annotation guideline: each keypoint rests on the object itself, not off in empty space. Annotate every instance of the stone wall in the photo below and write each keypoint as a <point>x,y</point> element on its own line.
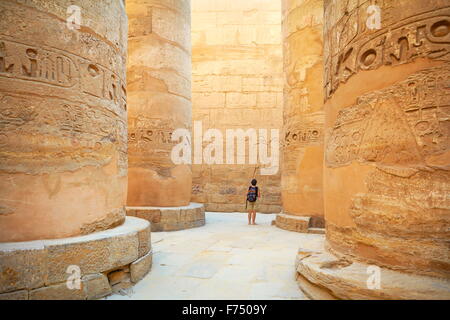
<point>63,161</point>
<point>159,100</point>
<point>303,117</point>
<point>237,83</point>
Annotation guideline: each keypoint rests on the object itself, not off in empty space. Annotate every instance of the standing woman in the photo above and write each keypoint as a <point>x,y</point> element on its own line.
<point>252,196</point>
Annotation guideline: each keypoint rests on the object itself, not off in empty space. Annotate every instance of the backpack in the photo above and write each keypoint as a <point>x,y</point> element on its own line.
<point>252,194</point>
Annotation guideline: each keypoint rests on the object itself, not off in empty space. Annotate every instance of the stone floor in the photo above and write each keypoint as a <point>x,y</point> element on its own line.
<point>225,259</point>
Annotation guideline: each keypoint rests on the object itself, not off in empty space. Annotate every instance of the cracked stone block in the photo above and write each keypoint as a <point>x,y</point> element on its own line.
<point>59,291</point>
<point>96,286</point>
<point>141,267</point>
<point>22,265</point>
<point>15,295</point>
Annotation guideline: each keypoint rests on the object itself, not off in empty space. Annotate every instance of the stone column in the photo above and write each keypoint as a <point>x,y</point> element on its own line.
<point>386,173</point>
<point>302,148</point>
<point>63,161</point>
<point>159,99</point>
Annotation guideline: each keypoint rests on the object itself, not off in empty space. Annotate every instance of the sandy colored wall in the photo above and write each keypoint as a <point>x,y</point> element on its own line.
<point>237,83</point>
<point>63,162</point>
<point>387,133</point>
<point>302,155</point>
<point>159,100</point>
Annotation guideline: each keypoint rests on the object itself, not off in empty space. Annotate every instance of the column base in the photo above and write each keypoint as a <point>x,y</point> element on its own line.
<point>171,218</point>
<point>302,224</point>
<point>77,268</point>
<point>323,276</point>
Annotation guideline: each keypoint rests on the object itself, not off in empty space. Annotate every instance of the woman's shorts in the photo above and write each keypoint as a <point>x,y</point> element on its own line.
<point>251,206</point>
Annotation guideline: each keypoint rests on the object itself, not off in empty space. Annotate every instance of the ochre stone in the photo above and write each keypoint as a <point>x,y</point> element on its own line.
<point>58,292</point>
<point>322,275</point>
<point>16,295</point>
<point>386,175</point>
<point>118,276</point>
<point>303,116</point>
<point>159,100</point>
<point>237,82</point>
<point>63,162</point>
<point>96,286</point>
<point>43,265</point>
<point>140,267</point>
<point>170,218</point>
<point>292,223</point>
<point>22,265</point>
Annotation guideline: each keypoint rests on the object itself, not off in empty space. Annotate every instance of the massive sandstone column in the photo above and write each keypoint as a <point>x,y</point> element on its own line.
<point>387,155</point>
<point>159,99</point>
<point>63,161</point>
<point>302,155</point>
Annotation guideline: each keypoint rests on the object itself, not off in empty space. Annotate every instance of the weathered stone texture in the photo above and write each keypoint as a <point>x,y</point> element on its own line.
<point>159,100</point>
<point>16,295</point>
<point>297,223</point>
<point>22,266</point>
<point>386,156</point>
<point>292,223</point>
<point>58,292</point>
<point>63,116</point>
<point>40,268</point>
<point>237,83</point>
<point>170,218</point>
<point>140,267</point>
<point>96,286</point>
<point>303,116</point>
<point>322,275</point>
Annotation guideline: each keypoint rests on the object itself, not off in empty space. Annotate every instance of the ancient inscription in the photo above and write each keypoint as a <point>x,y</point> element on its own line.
<point>91,133</point>
<point>302,136</point>
<point>147,132</point>
<point>349,48</point>
<point>400,124</point>
<point>62,69</point>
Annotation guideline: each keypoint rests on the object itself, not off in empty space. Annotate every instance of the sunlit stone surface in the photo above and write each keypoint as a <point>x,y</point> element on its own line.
<point>236,84</point>
<point>386,172</point>
<point>63,162</point>
<point>302,148</point>
<point>159,99</point>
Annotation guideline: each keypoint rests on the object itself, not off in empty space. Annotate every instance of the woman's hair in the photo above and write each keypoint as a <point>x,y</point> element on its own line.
<point>254,182</point>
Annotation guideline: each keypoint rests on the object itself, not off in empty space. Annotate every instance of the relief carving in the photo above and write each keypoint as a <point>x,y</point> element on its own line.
<point>86,130</point>
<point>62,69</point>
<point>400,124</point>
<point>350,49</point>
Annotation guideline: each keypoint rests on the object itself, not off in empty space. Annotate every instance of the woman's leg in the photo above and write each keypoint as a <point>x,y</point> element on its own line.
<point>253,216</point>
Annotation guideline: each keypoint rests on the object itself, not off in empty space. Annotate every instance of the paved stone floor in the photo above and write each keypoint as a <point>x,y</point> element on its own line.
<point>225,259</point>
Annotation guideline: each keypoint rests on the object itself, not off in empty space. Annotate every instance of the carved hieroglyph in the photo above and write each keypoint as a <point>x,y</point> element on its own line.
<point>159,99</point>
<point>387,154</point>
<point>303,108</point>
<point>63,162</point>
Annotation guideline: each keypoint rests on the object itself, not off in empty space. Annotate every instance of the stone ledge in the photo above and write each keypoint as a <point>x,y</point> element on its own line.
<point>230,207</point>
<point>321,275</point>
<point>294,223</point>
<point>38,269</point>
<point>171,218</point>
